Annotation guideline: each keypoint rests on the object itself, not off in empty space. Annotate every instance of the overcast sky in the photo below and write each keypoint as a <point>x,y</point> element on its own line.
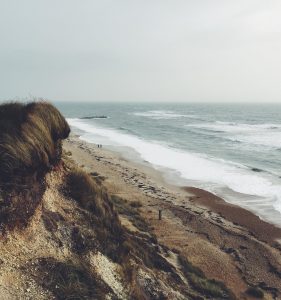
<point>141,50</point>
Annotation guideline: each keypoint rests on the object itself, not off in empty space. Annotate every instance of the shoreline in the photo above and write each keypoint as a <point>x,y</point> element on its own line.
<point>228,243</point>
<point>262,229</point>
<point>233,212</point>
<point>234,180</point>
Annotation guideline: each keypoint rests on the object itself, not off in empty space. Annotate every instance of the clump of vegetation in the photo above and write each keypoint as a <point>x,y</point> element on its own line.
<point>136,204</point>
<point>65,280</point>
<point>200,283</point>
<point>86,192</point>
<point>18,206</point>
<point>113,239</point>
<point>189,268</point>
<point>83,240</point>
<point>30,139</point>
<point>50,219</point>
<point>255,292</point>
<point>94,199</point>
<point>126,208</point>
<point>97,177</point>
<point>30,144</point>
<point>148,252</point>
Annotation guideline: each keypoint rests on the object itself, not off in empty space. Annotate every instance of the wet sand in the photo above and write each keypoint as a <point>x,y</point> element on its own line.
<point>259,228</point>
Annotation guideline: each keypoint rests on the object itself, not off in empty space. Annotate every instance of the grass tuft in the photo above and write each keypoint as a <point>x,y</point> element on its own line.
<point>255,292</point>
<point>126,208</point>
<point>94,198</point>
<point>30,136</point>
<point>136,204</point>
<point>197,279</point>
<point>66,280</point>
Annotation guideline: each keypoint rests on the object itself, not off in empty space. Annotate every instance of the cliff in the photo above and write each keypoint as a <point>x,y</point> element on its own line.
<point>61,234</point>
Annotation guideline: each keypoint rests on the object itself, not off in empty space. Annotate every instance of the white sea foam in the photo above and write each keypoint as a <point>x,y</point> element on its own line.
<point>268,135</point>
<point>195,167</point>
<point>162,114</point>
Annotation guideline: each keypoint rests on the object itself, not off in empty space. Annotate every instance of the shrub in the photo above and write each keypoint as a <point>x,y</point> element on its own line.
<point>199,282</point>
<point>255,292</point>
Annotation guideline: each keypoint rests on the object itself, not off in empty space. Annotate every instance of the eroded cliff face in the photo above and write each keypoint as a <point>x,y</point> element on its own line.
<point>76,248</point>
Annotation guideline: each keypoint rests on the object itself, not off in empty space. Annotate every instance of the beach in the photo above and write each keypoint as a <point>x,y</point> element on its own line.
<point>227,242</point>
<point>234,156</point>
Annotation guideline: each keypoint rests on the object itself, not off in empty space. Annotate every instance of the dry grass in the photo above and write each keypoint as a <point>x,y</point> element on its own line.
<point>130,211</point>
<point>136,204</point>
<point>114,240</point>
<point>95,200</point>
<point>30,144</point>
<point>208,287</point>
<point>66,280</point>
<point>143,245</point>
<point>85,191</point>
<point>30,137</point>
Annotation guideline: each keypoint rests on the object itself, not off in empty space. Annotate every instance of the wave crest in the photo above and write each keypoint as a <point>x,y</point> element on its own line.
<point>268,135</point>
<point>162,114</point>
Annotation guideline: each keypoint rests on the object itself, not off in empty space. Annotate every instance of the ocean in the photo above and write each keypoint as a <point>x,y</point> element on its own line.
<point>233,150</point>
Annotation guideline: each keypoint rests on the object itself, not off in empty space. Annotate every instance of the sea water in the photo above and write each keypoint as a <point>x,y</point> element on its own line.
<point>231,150</point>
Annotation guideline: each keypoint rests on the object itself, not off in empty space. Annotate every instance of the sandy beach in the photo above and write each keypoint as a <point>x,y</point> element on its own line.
<point>227,242</point>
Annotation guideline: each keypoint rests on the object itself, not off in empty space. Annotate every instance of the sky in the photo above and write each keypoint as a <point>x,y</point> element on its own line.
<point>141,50</point>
